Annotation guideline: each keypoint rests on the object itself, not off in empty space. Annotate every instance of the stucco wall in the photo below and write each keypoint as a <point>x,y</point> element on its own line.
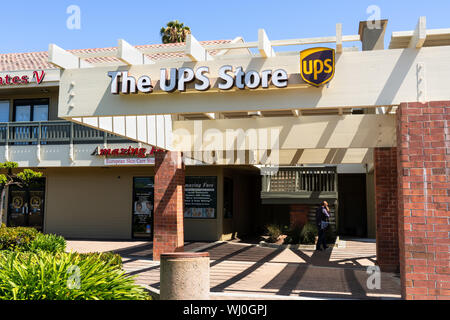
<point>90,202</point>
<point>96,203</point>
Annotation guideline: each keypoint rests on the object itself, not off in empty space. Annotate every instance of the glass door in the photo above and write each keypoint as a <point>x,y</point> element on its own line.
<point>22,114</point>
<point>40,113</point>
<point>26,110</point>
<point>26,207</point>
<point>143,197</point>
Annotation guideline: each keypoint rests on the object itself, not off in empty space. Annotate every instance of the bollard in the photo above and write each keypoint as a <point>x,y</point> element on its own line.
<point>184,276</point>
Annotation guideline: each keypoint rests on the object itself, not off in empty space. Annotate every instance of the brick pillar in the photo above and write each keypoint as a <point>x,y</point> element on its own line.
<point>424,202</point>
<point>386,208</point>
<point>169,198</point>
<point>298,215</point>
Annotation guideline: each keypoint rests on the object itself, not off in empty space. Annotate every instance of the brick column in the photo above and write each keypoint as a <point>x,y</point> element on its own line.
<point>424,202</point>
<point>386,208</point>
<point>169,198</point>
<point>298,215</point>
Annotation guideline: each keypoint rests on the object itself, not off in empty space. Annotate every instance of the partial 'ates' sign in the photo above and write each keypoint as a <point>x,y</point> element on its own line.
<point>317,65</point>
<point>16,79</point>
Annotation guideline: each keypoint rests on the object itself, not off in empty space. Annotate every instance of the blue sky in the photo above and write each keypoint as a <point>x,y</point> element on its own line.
<point>32,25</point>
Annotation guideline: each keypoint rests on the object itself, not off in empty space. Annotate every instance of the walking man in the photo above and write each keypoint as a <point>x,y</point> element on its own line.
<point>322,218</point>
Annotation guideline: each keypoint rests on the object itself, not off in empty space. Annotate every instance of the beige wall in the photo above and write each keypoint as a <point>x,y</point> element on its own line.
<point>97,202</point>
<point>90,202</point>
<point>33,93</point>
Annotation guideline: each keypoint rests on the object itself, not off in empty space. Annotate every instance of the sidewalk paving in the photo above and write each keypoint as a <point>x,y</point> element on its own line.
<point>240,271</point>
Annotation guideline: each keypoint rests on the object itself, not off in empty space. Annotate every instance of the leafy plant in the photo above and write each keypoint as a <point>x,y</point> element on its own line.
<point>64,276</point>
<point>112,258</point>
<point>293,235</point>
<point>18,238</point>
<point>308,234</point>
<point>274,232</point>
<point>47,242</point>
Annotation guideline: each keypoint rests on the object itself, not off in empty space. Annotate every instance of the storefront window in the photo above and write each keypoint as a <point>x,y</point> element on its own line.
<point>31,110</point>
<point>200,202</point>
<point>143,199</point>
<point>200,199</point>
<point>4,111</point>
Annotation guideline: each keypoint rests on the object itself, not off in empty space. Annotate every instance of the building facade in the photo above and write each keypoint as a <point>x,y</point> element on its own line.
<point>210,141</point>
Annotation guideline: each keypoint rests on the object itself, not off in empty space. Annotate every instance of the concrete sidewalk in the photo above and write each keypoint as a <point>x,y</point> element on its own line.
<point>243,271</point>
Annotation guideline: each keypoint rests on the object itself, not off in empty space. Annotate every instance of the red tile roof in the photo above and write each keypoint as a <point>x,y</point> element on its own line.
<point>39,60</point>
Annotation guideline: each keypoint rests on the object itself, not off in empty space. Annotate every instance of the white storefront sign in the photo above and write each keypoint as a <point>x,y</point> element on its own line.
<point>128,161</point>
<point>177,78</point>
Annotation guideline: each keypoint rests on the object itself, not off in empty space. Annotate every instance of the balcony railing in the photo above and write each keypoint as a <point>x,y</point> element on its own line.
<point>300,183</point>
<point>52,132</point>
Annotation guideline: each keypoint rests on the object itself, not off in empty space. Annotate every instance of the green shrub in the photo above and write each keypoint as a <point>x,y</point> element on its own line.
<point>308,234</point>
<point>47,276</point>
<point>273,231</point>
<point>47,242</point>
<point>18,238</point>
<point>112,258</point>
<point>293,235</point>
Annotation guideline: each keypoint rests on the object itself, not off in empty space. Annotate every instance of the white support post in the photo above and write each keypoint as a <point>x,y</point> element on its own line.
<point>338,37</point>
<point>264,45</point>
<point>130,55</point>
<point>419,35</point>
<point>64,59</point>
<point>195,51</point>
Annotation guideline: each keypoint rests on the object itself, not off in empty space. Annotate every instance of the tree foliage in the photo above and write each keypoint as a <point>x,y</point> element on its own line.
<point>21,179</point>
<point>174,32</point>
<point>27,176</point>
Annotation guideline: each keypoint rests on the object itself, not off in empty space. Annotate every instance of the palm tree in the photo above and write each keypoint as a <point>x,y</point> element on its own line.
<point>174,32</point>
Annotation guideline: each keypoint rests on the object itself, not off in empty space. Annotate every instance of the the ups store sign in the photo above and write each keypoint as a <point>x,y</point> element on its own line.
<point>317,68</point>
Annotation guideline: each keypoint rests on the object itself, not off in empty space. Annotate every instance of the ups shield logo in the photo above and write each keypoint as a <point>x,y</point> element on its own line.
<point>317,65</point>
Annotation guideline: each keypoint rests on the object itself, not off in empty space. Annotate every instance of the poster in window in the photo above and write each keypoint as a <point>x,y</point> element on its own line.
<point>143,198</point>
<point>200,197</point>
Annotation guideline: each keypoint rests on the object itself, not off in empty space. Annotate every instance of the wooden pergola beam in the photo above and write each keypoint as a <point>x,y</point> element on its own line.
<point>64,59</point>
<point>130,55</point>
<point>264,45</point>
<point>339,38</point>
<point>195,51</point>
<point>419,35</point>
